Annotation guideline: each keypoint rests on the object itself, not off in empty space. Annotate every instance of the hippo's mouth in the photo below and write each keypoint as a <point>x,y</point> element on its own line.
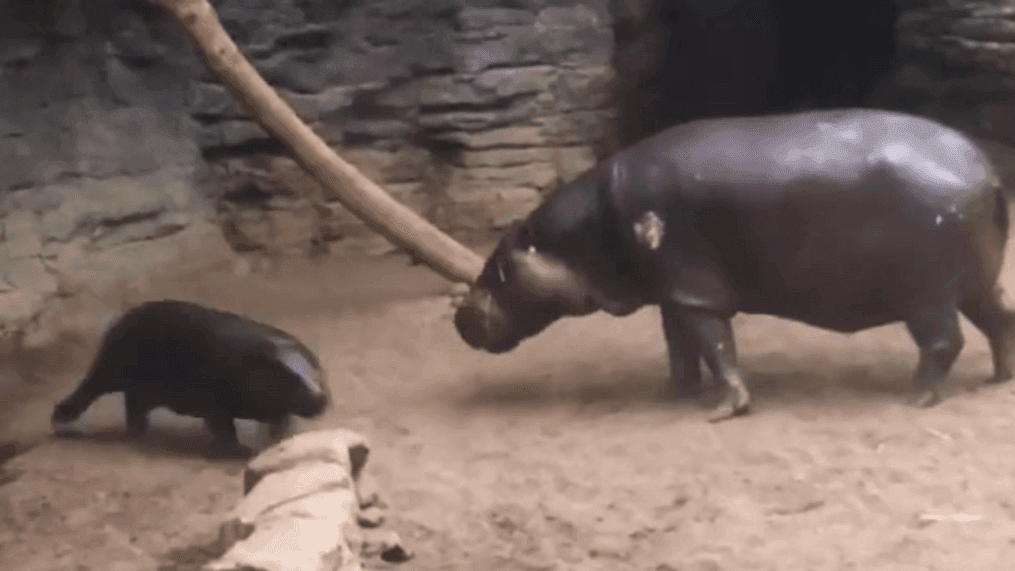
<point>482,324</point>
<point>475,325</point>
<point>471,326</point>
<point>312,405</point>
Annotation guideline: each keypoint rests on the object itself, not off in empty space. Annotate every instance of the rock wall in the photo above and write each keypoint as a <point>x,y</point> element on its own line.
<point>960,64</point>
<point>957,66</point>
<point>118,148</point>
<point>464,111</point>
<point>90,182</point>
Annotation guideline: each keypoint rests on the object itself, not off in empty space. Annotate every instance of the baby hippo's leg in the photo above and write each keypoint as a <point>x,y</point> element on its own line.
<point>223,429</point>
<point>71,408</point>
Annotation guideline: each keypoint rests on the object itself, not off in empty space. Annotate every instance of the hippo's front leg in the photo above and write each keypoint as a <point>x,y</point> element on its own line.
<point>273,431</point>
<point>684,353</point>
<point>279,428</point>
<point>223,430</point>
<point>698,294</point>
<point>715,339</point>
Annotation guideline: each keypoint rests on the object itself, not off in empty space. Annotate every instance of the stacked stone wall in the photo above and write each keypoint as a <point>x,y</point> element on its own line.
<point>120,154</point>
<point>464,112</point>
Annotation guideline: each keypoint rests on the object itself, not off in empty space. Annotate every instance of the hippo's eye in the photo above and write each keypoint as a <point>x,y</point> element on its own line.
<point>532,249</point>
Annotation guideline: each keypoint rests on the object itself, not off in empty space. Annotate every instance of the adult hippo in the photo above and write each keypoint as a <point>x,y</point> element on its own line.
<point>204,363</point>
<point>844,220</point>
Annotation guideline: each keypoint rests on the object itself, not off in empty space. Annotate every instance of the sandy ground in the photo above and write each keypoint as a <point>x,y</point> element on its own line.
<point>557,456</point>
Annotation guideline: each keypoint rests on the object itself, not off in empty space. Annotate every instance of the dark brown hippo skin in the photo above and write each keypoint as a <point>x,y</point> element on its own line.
<point>204,363</point>
<point>843,219</point>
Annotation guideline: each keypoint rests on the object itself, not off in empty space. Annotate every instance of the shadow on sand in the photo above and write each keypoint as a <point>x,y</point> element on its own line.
<point>8,451</point>
<point>160,443</point>
<point>779,386</point>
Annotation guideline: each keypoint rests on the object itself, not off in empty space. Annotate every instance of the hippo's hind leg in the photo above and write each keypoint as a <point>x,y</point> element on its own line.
<point>939,338</point>
<point>989,314</point>
<point>684,353</point>
<point>71,408</point>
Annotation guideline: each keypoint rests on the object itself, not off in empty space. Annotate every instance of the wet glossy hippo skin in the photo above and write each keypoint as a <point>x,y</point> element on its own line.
<point>844,220</point>
<point>203,363</point>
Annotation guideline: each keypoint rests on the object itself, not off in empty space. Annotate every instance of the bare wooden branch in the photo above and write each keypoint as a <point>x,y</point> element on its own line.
<point>368,201</point>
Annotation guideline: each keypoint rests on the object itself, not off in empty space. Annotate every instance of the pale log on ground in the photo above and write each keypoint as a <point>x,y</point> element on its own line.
<point>371,203</point>
<point>343,447</point>
<point>299,508</point>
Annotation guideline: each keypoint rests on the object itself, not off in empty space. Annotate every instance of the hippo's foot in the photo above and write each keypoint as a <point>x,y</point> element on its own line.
<point>61,428</point>
<point>225,443</point>
<point>736,403</point>
<point>925,399</point>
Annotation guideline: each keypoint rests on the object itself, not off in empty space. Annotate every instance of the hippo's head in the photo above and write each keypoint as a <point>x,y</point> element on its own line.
<point>519,293</point>
<point>304,390</point>
<point>563,260</point>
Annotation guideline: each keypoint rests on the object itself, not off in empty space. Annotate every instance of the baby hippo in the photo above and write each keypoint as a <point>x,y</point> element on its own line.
<point>203,363</point>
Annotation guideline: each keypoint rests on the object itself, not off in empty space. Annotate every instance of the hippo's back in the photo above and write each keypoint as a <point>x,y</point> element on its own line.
<point>839,148</point>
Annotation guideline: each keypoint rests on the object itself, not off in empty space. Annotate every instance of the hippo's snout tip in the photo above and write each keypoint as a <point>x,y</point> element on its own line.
<point>480,323</point>
<point>316,405</point>
<point>309,404</point>
<point>469,321</point>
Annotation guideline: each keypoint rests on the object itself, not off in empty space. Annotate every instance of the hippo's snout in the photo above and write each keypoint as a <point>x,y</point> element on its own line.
<point>318,404</point>
<point>469,322</point>
<point>311,404</point>
<point>309,395</point>
<point>481,324</point>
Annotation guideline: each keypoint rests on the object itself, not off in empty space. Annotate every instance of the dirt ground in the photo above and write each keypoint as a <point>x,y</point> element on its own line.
<point>557,456</point>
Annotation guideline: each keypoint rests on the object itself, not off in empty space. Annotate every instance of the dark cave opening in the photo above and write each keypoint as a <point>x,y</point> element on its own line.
<point>678,60</point>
